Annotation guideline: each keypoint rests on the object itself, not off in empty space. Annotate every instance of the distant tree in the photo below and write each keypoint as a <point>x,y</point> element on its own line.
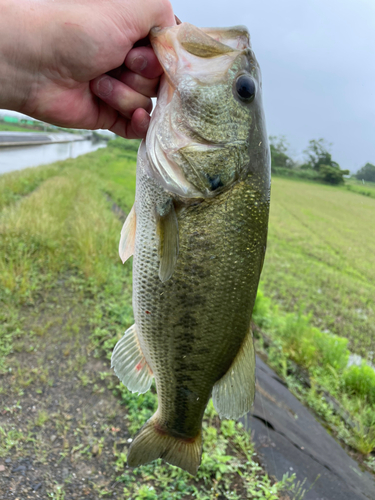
<point>367,173</point>
<point>317,154</point>
<point>320,159</point>
<point>279,148</point>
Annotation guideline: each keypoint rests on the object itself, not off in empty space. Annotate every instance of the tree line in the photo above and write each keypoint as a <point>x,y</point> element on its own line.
<point>318,164</point>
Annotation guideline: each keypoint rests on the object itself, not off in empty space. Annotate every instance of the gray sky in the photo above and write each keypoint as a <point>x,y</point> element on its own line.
<point>318,65</point>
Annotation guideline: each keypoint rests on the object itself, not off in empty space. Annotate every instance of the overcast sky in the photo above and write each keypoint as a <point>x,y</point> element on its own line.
<point>318,65</point>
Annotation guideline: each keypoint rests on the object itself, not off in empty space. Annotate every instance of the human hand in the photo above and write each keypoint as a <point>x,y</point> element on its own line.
<point>72,63</point>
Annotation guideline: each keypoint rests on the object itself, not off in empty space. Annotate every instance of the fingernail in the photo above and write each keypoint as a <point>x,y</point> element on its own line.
<point>138,63</point>
<point>143,126</point>
<point>104,86</point>
<point>144,123</point>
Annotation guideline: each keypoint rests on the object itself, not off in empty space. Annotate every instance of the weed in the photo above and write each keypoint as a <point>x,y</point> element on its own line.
<point>42,418</point>
<point>9,439</point>
<point>325,356</point>
<point>58,492</point>
<point>360,380</point>
<point>85,379</point>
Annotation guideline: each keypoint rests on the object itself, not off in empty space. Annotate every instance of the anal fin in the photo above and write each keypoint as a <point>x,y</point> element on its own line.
<point>127,240</point>
<point>130,364</point>
<point>233,394</point>
<point>167,231</point>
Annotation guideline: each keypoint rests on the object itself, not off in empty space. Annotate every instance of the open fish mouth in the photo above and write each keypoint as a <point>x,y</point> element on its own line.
<point>193,59</point>
<point>203,53</point>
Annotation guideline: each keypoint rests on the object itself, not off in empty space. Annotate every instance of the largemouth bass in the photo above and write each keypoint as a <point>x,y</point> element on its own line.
<point>197,233</point>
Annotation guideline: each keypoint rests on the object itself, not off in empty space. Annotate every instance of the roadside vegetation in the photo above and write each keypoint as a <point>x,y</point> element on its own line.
<point>7,127</point>
<point>314,364</point>
<point>65,301</point>
<point>361,187</point>
<point>41,127</point>
<point>317,304</point>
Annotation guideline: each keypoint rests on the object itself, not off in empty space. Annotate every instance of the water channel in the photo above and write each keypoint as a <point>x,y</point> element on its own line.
<point>19,157</point>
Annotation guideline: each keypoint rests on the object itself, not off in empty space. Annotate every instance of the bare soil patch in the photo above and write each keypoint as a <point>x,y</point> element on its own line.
<point>62,429</point>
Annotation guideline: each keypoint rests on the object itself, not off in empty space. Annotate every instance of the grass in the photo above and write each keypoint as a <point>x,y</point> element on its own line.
<point>325,358</point>
<point>66,297</point>
<point>359,187</point>
<point>57,227</point>
<point>319,277</point>
<point>320,257</point>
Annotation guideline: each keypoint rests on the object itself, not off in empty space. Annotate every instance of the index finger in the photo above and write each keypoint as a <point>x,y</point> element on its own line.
<point>150,14</point>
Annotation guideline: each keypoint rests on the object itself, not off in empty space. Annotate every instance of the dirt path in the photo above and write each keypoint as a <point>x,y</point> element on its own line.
<point>60,425</point>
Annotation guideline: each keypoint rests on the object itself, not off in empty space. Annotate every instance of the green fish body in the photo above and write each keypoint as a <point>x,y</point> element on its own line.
<point>197,233</point>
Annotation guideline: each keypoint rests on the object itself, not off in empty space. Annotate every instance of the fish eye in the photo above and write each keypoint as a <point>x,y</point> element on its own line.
<point>245,88</point>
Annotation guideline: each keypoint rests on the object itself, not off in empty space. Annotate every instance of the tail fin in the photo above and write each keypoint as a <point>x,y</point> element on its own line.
<point>152,443</point>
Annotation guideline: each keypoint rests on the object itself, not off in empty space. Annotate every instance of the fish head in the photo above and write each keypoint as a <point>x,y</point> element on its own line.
<point>208,128</point>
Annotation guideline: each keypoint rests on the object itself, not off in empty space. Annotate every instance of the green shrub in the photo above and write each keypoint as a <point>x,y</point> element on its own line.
<point>262,310</point>
<point>332,349</point>
<point>332,174</point>
<point>363,189</point>
<point>298,339</point>
<point>360,380</point>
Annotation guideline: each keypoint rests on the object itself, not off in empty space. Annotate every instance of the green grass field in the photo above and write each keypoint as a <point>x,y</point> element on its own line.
<point>65,301</point>
<point>321,258</point>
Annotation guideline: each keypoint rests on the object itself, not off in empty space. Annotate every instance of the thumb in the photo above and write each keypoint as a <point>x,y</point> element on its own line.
<point>149,14</point>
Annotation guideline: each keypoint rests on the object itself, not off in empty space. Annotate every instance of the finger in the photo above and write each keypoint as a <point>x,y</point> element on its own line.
<point>143,61</point>
<point>140,122</point>
<point>119,96</point>
<point>136,128</point>
<point>110,119</point>
<point>139,83</point>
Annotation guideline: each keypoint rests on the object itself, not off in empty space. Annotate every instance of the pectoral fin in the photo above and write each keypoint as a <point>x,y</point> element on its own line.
<point>233,394</point>
<point>127,240</point>
<point>130,364</point>
<point>167,231</point>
